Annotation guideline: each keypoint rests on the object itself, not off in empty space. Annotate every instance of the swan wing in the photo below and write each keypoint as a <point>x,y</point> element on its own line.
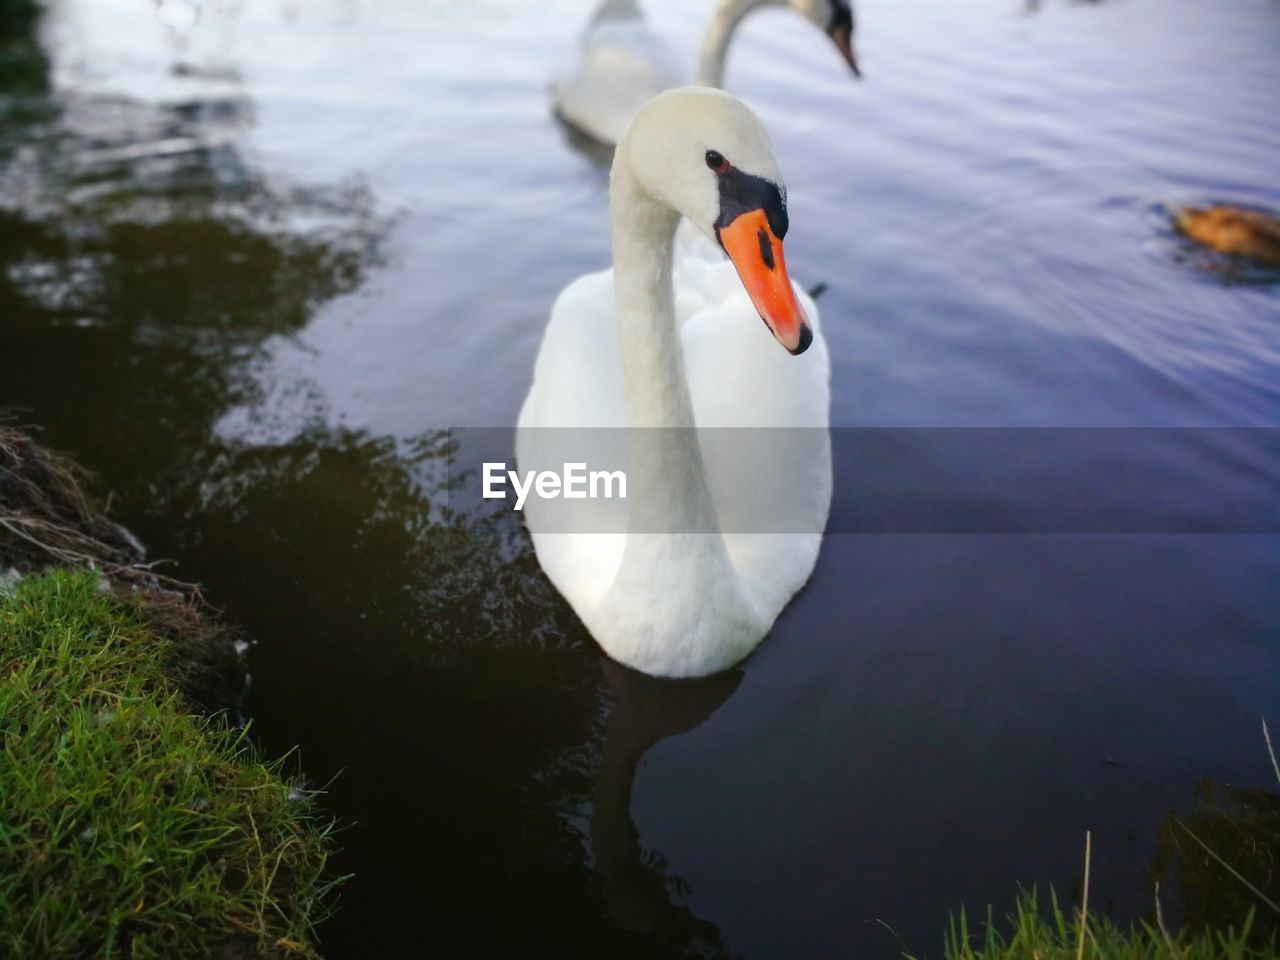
<point>577,388</point>
<point>771,478</point>
<point>771,484</point>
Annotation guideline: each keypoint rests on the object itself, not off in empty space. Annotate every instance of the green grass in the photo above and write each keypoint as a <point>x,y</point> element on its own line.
<point>130,827</point>
<point>1031,933</point>
<point>1227,879</point>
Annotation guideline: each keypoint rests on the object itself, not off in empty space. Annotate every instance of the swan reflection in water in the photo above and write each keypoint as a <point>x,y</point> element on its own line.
<point>638,892</point>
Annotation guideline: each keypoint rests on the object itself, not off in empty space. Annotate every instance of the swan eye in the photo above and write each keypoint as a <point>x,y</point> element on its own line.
<point>716,161</point>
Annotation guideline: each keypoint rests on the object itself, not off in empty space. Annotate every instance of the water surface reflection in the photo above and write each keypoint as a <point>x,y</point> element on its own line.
<point>452,670</point>
<point>637,890</point>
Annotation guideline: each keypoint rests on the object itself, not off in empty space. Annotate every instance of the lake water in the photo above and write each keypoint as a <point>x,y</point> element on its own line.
<point>256,257</point>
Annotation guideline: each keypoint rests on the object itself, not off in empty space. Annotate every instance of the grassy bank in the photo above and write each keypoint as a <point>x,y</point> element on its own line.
<point>1228,895</point>
<point>129,826</point>
<point>48,518</point>
<point>1035,933</point>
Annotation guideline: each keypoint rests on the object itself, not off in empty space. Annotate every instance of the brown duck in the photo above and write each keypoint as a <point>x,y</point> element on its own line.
<point>1246,233</point>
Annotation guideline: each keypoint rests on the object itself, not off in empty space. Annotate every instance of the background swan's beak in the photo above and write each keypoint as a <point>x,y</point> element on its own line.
<point>842,37</point>
<point>757,253</point>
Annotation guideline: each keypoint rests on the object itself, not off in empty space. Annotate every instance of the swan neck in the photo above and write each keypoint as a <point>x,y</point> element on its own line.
<point>667,471</point>
<point>674,548</point>
<point>657,392</point>
<point>716,46</point>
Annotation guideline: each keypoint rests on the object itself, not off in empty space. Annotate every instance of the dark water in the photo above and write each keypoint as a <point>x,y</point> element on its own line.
<point>251,268</point>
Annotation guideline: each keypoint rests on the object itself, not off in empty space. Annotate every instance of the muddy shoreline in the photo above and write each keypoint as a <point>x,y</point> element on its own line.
<point>50,517</point>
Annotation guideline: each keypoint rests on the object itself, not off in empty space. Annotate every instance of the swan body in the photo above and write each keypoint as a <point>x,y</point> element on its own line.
<point>694,576</point>
<point>622,64</point>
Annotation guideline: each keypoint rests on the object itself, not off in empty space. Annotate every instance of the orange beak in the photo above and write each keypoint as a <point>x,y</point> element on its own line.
<point>757,254</point>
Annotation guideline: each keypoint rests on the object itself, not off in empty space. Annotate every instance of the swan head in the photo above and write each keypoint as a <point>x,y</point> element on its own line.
<point>835,18</point>
<point>703,154</point>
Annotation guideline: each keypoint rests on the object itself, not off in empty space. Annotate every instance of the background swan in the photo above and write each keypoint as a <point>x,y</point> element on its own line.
<point>622,64</point>
<point>692,585</point>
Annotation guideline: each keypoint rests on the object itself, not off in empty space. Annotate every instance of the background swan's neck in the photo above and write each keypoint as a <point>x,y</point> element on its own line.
<point>716,47</point>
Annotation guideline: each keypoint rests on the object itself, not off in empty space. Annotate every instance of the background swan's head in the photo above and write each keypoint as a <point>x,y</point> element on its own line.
<point>703,154</point>
<point>836,19</point>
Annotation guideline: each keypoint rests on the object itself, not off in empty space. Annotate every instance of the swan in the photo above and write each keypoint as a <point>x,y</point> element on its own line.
<point>622,63</point>
<point>721,527</point>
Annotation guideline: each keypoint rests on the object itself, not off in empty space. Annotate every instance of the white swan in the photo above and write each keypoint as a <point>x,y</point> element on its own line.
<point>721,527</point>
<point>622,64</point>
